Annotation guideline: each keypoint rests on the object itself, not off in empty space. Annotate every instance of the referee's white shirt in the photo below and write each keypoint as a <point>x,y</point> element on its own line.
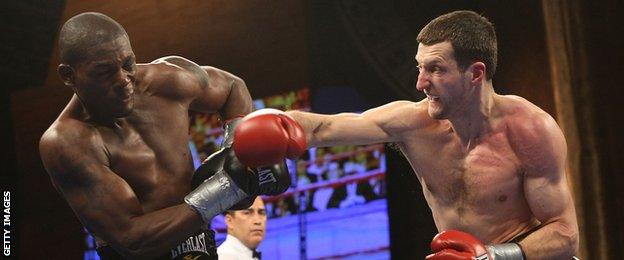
<point>234,249</point>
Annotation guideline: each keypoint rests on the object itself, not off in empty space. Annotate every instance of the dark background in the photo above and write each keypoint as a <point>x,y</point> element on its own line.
<point>281,45</point>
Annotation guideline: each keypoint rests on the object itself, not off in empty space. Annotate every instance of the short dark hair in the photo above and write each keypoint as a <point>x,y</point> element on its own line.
<point>472,36</point>
<point>83,31</point>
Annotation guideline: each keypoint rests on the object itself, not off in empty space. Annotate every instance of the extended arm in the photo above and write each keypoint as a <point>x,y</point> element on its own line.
<point>377,125</point>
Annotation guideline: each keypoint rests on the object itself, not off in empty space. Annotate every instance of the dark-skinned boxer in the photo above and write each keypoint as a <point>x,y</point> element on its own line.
<point>118,152</point>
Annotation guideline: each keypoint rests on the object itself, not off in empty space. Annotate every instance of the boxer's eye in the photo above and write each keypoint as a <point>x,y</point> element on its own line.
<point>102,71</point>
<point>129,64</point>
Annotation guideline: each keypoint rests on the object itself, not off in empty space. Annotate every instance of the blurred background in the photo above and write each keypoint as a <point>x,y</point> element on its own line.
<point>344,55</point>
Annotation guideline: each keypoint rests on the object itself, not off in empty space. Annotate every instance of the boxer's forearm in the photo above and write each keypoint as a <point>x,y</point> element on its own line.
<point>555,240</point>
<point>155,233</point>
<point>339,129</point>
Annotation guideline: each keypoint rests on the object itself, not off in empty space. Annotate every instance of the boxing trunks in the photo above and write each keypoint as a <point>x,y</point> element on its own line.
<point>199,246</point>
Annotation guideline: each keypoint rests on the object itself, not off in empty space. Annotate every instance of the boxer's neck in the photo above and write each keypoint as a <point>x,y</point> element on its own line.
<point>91,116</point>
<point>474,119</point>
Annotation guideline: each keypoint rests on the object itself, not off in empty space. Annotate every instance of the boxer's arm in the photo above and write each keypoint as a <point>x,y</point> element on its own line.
<point>106,204</point>
<point>377,125</point>
<point>208,89</point>
<point>225,93</point>
<point>542,149</point>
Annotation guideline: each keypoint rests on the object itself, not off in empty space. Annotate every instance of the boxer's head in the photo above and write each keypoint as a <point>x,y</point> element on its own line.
<point>97,62</point>
<point>248,225</point>
<point>456,54</point>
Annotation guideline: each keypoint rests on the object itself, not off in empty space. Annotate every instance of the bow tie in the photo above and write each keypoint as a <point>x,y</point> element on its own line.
<point>256,254</point>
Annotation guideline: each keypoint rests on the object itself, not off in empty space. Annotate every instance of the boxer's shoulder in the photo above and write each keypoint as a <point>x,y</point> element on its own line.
<point>68,137</point>
<point>178,77</point>
<point>172,67</point>
<point>532,132</point>
<point>524,117</point>
<point>511,105</point>
<point>404,108</point>
<point>69,128</point>
<point>402,117</point>
<point>420,114</point>
<point>179,68</point>
<point>68,159</point>
<point>172,70</point>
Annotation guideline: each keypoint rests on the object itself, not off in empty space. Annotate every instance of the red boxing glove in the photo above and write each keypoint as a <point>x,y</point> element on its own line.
<point>268,136</point>
<point>455,245</point>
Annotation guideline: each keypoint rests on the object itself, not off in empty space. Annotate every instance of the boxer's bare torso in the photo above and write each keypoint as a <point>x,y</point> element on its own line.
<point>476,187</point>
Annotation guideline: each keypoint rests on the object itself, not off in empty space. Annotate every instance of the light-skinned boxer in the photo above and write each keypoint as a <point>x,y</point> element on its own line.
<point>492,167</point>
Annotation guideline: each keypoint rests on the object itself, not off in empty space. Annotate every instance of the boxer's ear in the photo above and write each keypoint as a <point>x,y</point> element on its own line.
<point>66,73</point>
<point>477,70</point>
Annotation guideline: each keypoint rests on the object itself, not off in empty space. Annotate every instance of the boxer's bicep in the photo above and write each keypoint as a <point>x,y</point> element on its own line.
<point>205,89</point>
<point>548,197</point>
<point>354,129</point>
<point>545,184</point>
<point>102,200</point>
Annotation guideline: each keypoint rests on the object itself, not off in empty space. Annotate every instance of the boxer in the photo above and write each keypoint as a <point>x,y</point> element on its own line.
<point>118,152</point>
<point>492,167</point>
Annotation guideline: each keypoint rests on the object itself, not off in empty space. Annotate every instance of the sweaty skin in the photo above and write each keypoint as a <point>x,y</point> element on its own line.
<point>119,151</point>
<point>489,165</point>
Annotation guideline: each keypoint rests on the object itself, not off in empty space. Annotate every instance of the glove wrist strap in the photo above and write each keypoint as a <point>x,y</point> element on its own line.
<point>507,251</point>
<point>214,196</point>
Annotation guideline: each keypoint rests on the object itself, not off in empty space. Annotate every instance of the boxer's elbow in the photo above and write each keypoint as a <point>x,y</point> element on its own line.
<point>569,237</point>
<point>239,88</point>
<point>573,242</point>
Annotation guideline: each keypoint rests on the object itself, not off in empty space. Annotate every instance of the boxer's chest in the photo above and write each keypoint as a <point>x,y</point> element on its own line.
<point>488,173</point>
<point>150,152</point>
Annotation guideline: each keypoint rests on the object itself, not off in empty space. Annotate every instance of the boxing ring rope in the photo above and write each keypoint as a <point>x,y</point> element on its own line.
<point>374,174</point>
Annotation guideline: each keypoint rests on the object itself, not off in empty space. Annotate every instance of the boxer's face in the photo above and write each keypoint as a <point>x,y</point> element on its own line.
<point>440,78</point>
<point>248,225</point>
<point>104,81</point>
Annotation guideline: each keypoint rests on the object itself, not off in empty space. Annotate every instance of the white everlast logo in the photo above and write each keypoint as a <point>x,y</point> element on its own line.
<point>193,243</point>
<point>266,175</point>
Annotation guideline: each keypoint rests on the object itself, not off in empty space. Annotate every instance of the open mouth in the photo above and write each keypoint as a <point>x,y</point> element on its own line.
<point>433,98</point>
